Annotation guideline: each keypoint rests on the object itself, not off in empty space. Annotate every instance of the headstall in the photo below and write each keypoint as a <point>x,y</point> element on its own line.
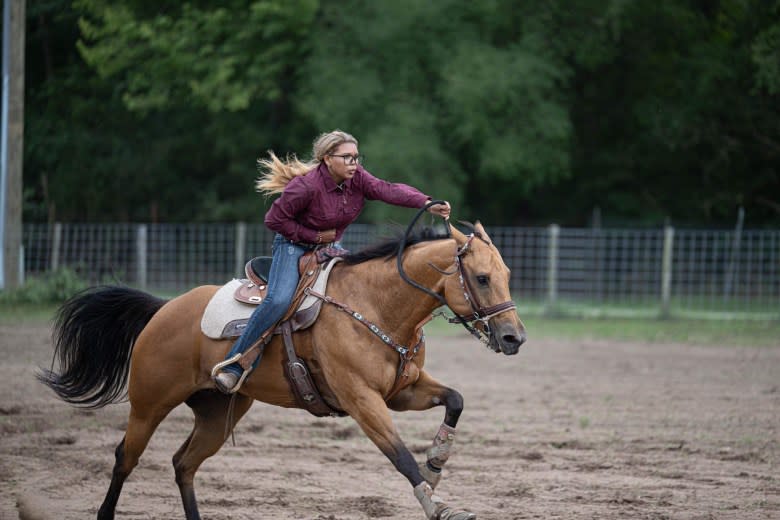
<point>479,314</point>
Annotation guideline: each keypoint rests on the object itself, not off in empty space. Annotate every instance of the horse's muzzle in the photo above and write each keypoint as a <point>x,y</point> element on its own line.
<point>510,344</point>
<point>507,338</point>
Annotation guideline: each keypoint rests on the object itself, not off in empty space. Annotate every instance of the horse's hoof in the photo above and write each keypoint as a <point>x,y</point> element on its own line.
<point>447,513</point>
<point>430,476</point>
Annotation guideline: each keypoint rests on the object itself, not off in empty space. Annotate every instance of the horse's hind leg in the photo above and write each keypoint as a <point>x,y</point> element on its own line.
<point>424,394</point>
<point>139,430</point>
<point>208,435</point>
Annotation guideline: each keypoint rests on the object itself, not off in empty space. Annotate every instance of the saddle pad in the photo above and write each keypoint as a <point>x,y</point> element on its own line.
<point>225,317</point>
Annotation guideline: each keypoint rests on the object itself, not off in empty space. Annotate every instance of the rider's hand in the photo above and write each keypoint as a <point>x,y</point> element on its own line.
<point>327,236</point>
<point>442,210</point>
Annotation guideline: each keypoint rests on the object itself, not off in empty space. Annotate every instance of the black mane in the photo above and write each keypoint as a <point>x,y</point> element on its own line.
<point>388,248</point>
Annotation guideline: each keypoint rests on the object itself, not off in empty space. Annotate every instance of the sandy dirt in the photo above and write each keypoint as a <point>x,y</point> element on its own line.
<point>565,429</point>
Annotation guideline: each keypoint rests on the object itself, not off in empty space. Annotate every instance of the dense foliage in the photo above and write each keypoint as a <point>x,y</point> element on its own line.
<point>56,287</point>
<point>518,112</point>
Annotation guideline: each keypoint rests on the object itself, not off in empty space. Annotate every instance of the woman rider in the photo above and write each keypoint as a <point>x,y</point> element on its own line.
<point>318,201</point>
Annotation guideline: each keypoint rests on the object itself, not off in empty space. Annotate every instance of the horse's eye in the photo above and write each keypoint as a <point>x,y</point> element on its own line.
<point>483,280</point>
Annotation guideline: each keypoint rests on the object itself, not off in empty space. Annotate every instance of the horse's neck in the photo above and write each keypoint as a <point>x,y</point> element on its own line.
<point>401,306</point>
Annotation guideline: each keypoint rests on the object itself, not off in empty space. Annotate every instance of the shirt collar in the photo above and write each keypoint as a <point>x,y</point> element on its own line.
<point>328,182</point>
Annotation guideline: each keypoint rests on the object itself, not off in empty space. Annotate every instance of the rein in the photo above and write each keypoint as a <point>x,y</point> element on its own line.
<point>480,314</point>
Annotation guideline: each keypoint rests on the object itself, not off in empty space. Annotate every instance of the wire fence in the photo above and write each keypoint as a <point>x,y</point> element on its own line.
<point>572,270</point>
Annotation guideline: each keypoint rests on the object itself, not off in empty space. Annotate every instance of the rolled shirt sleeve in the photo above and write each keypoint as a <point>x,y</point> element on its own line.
<point>391,192</point>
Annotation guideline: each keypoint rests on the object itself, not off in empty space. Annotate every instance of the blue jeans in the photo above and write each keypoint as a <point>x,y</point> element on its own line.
<point>282,282</point>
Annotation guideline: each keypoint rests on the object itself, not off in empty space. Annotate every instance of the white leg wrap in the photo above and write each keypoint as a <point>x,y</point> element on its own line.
<point>435,509</point>
<point>429,502</point>
<point>431,477</point>
<point>442,446</point>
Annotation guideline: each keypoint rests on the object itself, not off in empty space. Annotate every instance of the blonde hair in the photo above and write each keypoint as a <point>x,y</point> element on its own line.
<point>277,173</point>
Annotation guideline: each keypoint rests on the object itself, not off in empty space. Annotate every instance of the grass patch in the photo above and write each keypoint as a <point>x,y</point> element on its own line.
<point>699,332</point>
<point>14,314</point>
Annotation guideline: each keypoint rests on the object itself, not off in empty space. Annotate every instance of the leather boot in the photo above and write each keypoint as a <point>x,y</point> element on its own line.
<point>226,381</point>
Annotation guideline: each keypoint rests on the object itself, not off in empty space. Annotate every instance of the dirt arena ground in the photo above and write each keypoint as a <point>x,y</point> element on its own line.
<point>566,429</point>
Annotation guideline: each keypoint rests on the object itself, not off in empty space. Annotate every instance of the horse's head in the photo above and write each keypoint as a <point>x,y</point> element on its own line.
<point>480,291</point>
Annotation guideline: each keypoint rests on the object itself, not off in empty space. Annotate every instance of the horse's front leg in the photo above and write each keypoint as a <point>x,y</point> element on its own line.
<point>424,394</point>
<point>372,415</point>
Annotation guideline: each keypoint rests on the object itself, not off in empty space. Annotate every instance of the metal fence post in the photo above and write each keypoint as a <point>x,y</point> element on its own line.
<point>141,249</point>
<point>666,271</point>
<point>728,279</point>
<point>552,268</point>
<point>240,249</point>
<point>56,242</point>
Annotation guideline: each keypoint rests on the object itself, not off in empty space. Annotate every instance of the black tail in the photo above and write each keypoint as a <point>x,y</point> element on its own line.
<point>94,333</point>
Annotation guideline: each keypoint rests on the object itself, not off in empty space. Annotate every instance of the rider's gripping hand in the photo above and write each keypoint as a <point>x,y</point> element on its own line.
<point>442,210</point>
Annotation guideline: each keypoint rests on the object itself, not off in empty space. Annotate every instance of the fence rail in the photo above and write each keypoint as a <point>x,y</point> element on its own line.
<point>666,271</point>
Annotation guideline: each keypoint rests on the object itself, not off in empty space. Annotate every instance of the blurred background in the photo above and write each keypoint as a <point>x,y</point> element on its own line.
<point>624,154</point>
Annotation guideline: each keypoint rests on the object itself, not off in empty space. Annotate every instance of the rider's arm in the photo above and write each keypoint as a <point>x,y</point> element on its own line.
<point>394,193</point>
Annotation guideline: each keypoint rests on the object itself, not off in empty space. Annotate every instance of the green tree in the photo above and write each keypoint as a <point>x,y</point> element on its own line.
<point>461,98</point>
<point>766,55</point>
<point>515,111</point>
<point>196,54</point>
<point>170,125</point>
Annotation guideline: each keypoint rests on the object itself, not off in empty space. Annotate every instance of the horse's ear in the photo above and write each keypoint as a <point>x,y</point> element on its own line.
<point>459,237</point>
<point>478,227</point>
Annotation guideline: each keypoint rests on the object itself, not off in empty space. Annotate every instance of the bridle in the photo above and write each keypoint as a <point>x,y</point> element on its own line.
<point>479,313</point>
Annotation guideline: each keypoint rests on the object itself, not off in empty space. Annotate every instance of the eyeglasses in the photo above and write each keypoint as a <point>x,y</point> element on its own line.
<point>350,159</point>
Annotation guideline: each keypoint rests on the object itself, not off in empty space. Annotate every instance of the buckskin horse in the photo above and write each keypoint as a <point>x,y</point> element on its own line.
<point>111,338</point>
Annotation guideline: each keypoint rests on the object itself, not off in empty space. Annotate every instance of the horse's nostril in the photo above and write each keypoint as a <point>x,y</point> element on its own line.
<point>511,339</point>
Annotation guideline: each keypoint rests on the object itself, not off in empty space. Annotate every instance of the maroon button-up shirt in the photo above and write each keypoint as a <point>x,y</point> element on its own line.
<point>314,202</point>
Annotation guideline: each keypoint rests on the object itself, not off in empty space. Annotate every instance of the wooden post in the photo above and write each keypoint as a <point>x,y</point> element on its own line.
<point>141,250</point>
<point>728,279</point>
<point>12,144</point>
<point>666,271</point>
<point>552,268</point>
<point>56,243</point>
<point>240,249</point>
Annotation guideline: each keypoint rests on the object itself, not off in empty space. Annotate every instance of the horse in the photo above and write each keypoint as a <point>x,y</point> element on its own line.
<point>113,342</point>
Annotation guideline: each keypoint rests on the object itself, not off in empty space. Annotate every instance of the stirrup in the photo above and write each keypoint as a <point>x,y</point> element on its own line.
<point>229,361</point>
